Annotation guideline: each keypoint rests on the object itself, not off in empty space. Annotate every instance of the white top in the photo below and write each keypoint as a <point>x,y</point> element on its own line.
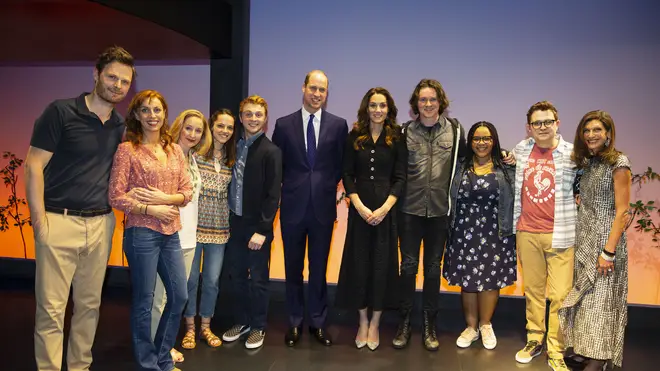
<point>317,125</point>
<point>188,213</point>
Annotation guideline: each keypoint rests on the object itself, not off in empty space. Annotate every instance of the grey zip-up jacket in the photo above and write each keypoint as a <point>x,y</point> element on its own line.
<point>432,158</point>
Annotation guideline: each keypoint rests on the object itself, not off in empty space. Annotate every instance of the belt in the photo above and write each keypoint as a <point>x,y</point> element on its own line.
<point>82,213</point>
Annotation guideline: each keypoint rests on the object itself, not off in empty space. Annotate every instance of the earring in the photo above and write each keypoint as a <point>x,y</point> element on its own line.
<point>607,142</point>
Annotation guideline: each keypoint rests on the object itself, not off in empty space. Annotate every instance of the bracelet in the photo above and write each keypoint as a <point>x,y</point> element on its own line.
<point>610,254</point>
<point>606,257</point>
<point>145,209</point>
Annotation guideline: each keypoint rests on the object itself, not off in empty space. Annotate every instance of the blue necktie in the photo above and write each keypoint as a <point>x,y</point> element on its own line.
<point>311,142</point>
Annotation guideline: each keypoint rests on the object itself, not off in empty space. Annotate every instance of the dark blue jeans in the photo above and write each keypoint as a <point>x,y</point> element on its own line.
<point>214,255</point>
<point>150,253</point>
<point>250,295</point>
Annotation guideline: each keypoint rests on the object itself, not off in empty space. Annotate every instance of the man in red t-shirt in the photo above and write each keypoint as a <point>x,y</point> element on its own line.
<point>544,222</point>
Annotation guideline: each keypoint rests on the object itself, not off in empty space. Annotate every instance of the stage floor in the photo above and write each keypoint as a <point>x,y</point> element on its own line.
<point>112,349</point>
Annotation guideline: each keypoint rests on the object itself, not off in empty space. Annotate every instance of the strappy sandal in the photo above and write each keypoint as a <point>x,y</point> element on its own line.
<point>177,357</point>
<point>212,340</point>
<point>188,341</point>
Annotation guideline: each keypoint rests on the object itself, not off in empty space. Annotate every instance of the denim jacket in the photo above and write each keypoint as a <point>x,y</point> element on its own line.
<point>505,206</point>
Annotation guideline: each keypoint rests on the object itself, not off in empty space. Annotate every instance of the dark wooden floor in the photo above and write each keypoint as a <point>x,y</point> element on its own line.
<point>112,349</point>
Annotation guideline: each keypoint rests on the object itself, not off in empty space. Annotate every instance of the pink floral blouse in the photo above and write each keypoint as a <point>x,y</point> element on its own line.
<point>136,166</point>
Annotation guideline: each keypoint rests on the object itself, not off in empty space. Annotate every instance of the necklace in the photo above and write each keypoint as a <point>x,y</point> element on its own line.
<point>483,169</point>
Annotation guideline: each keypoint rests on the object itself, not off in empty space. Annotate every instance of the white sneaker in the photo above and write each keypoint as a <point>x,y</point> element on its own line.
<point>488,338</point>
<point>468,336</point>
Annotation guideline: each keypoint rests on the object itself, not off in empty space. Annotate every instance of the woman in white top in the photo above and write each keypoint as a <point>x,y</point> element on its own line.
<point>190,130</point>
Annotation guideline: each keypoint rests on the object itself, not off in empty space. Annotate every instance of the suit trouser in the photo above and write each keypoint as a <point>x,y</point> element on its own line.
<point>316,237</point>
<point>74,253</point>
<point>544,266</point>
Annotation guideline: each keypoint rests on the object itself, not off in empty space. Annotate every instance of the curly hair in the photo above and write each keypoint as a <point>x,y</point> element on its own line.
<point>134,132</point>
<point>390,127</point>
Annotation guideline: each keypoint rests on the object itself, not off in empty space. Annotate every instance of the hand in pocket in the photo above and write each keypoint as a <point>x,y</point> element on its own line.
<point>40,227</point>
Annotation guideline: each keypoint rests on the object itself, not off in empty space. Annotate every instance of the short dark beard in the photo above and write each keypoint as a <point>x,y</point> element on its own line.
<point>104,93</point>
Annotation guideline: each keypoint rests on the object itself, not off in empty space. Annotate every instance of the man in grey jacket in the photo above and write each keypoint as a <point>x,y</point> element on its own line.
<point>435,142</point>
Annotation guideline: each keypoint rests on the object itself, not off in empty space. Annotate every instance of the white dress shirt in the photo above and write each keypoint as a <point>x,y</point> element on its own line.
<point>317,125</point>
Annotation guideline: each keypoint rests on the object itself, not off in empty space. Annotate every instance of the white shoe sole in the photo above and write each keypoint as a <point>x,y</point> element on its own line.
<point>527,360</point>
<point>254,345</point>
<point>461,344</point>
<point>489,347</point>
<point>229,339</point>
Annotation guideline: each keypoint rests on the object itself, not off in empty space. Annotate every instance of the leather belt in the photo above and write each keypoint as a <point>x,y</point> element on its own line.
<point>81,213</point>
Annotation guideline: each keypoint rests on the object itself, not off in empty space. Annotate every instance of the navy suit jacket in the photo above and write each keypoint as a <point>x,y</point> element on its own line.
<point>301,183</point>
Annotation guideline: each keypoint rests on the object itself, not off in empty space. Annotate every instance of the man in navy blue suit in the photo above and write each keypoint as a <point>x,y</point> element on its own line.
<point>312,143</point>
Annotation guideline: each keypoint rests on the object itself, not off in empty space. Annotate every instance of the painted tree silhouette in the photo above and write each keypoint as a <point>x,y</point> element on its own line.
<point>10,214</point>
<point>641,212</point>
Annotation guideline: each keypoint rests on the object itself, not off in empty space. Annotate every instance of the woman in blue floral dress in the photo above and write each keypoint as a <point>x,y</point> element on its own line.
<point>481,252</point>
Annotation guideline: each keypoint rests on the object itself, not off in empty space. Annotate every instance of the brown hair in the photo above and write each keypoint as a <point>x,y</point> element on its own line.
<point>134,127</point>
<point>581,153</point>
<point>541,106</point>
<point>229,147</point>
<point>115,54</point>
<point>177,126</point>
<point>361,127</point>
<point>435,85</point>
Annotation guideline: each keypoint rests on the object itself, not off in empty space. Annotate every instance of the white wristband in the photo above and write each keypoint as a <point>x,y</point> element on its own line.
<point>606,257</point>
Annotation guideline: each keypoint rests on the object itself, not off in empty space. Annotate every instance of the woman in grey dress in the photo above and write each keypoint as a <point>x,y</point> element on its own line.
<point>594,314</point>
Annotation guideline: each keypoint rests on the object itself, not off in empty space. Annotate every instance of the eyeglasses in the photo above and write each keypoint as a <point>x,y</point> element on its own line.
<point>485,140</point>
<point>544,123</point>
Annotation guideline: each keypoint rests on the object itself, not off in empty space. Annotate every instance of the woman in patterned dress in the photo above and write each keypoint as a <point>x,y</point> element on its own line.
<point>481,252</point>
<point>594,314</point>
<point>212,228</point>
<point>191,132</point>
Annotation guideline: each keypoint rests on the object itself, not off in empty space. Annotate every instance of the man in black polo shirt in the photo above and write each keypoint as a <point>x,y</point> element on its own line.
<point>67,175</point>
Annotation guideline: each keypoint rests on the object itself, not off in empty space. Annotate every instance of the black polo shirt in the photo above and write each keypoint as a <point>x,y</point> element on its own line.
<point>78,174</point>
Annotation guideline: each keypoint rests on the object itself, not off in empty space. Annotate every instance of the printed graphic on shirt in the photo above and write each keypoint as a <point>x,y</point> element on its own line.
<point>542,172</point>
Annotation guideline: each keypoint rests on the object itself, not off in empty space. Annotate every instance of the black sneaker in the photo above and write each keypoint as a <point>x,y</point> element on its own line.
<point>235,333</point>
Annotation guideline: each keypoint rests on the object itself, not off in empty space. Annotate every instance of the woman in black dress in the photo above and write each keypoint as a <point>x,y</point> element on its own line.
<point>374,174</point>
<point>481,252</point>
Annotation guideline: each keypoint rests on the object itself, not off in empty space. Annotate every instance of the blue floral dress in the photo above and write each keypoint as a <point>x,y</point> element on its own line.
<point>477,259</point>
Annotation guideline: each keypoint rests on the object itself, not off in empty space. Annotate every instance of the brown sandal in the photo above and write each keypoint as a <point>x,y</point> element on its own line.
<point>212,340</point>
<point>188,341</point>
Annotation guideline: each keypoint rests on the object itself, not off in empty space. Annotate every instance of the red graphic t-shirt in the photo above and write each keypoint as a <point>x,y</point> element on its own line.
<point>538,193</point>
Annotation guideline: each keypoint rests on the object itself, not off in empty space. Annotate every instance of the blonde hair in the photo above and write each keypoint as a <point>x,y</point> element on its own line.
<point>205,142</point>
